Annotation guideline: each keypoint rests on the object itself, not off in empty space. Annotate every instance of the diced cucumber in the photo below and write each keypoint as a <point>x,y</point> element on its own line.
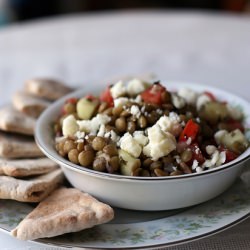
<point>85,108</point>
<point>128,164</point>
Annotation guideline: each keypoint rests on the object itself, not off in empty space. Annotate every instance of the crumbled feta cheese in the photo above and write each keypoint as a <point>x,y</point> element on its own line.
<point>234,112</point>
<point>170,124</point>
<point>93,125</point>
<point>121,101</point>
<point>178,101</point>
<point>79,135</point>
<point>160,143</point>
<point>140,138</point>
<point>219,135</point>
<point>217,159</point>
<point>112,135</point>
<point>199,169</point>
<point>130,145</point>
<point>202,100</point>
<point>210,149</point>
<point>188,95</point>
<point>69,126</point>
<point>118,89</point>
<point>135,111</point>
<point>101,131</point>
<point>135,87</point>
<point>174,117</point>
<point>138,99</point>
<point>177,159</point>
<point>189,141</point>
<point>195,164</point>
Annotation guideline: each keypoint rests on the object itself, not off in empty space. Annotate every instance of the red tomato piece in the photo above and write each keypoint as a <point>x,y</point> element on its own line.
<point>107,97</point>
<point>71,100</point>
<point>230,156</point>
<point>91,97</point>
<point>234,124</point>
<point>153,94</point>
<point>190,131</point>
<point>210,95</point>
<point>197,154</point>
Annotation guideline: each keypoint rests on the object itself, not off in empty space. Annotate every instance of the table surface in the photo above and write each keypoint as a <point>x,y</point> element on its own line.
<point>210,48</point>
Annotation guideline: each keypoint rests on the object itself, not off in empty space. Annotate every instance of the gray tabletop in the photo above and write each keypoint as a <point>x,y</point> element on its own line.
<point>209,48</point>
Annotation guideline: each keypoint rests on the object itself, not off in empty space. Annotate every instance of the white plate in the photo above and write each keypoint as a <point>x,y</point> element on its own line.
<point>132,229</point>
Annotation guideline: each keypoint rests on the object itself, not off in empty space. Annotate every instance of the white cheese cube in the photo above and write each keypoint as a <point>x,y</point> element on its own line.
<point>69,126</point>
<point>130,145</point>
<point>160,143</point>
<point>140,138</point>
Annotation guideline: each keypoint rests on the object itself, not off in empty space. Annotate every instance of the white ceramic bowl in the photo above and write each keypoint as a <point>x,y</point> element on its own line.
<point>141,193</point>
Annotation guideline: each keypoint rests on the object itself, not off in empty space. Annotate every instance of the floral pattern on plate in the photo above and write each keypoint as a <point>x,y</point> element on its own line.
<point>151,229</point>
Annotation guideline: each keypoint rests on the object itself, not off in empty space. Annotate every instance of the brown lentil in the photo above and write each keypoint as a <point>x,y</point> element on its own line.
<point>184,167</point>
<point>80,146</point>
<point>110,150</point>
<point>142,121</point>
<point>145,173</point>
<point>114,163</point>
<point>155,164</point>
<point>68,145</point>
<point>186,155</point>
<point>176,172</point>
<point>73,156</point>
<point>99,164</point>
<point>98,143</point>
<point>117,110</point>
<point>131,127</point>
<point>108,111</point>
<point>125,113</point>
<point>159,172</point>
<point>146,163</point>
<point>121,124</point>
<point>86,158</point>
<point>102,107</point>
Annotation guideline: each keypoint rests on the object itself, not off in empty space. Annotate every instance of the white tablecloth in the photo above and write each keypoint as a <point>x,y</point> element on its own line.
<point>208,48</point>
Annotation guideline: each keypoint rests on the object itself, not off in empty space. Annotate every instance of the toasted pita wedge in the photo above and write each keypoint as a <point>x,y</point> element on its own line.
<point>46,88</point>
<point>32,189</point>
<point>28,104</point>
<point>26,167</point>
<point>12,120</point>
<point>18,146</point>
<point>65,210</point>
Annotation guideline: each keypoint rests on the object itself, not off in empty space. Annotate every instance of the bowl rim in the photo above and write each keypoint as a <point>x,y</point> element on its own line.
<point>66,163</point>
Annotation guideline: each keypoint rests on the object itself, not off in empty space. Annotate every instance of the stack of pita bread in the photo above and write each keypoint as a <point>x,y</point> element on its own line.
<point>26,175</point>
